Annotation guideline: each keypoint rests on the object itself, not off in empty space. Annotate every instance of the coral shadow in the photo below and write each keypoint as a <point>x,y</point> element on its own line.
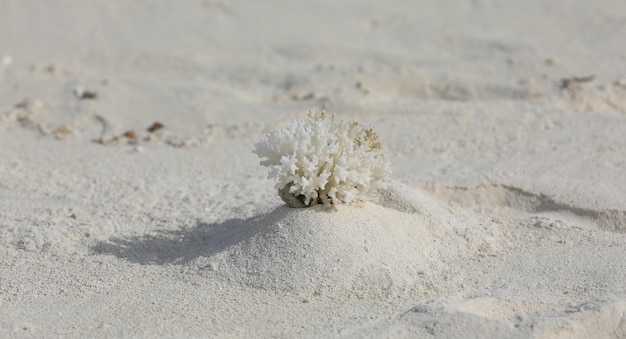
<point>184,245</point>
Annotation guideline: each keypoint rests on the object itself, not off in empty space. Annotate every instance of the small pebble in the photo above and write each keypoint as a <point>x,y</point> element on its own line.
<point>82,93</point>
<point>302,96</point>
<point>64,130</point>
<point>89,95</point>
<point>552,61</point>
<point>155,127</point>
<point>30,104</point>
<point>130,134</point>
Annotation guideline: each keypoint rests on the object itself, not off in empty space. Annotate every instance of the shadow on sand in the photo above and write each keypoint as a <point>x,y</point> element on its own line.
<point>184,245</point>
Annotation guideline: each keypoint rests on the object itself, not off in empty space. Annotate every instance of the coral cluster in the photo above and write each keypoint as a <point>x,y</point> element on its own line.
<point>323,160</point>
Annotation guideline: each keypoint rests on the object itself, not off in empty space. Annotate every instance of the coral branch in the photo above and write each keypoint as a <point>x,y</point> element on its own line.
<point>323,160</point>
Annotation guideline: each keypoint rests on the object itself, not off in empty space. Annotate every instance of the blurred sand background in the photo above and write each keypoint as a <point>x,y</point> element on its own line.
<point>504,123</point>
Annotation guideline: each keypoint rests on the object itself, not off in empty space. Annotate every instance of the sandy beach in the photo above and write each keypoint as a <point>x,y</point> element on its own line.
<point>131,204</point>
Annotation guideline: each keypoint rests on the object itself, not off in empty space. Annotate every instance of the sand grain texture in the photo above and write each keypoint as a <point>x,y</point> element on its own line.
<point>504,123</point>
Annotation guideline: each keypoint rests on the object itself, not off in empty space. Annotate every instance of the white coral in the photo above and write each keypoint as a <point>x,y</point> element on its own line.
<point>322,159</point>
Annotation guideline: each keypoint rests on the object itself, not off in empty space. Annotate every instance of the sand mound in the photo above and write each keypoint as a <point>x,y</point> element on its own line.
<point>362,247</point>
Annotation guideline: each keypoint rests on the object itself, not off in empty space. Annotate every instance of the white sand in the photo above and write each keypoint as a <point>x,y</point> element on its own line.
<point>506,214</point>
